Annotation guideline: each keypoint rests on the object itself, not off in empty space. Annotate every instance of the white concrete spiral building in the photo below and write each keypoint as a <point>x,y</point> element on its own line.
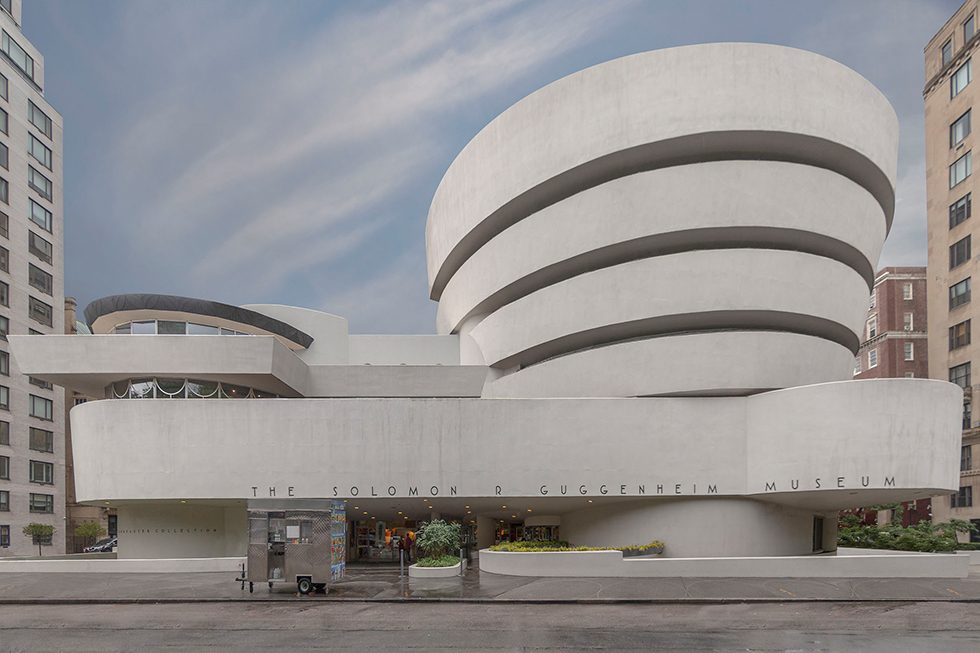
<point>652,278</point>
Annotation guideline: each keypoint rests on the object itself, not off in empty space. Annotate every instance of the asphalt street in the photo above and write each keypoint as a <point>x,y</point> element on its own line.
<point>866,627</point>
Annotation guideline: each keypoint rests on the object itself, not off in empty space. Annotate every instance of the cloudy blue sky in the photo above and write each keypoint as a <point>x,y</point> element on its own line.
<point>286,151</point>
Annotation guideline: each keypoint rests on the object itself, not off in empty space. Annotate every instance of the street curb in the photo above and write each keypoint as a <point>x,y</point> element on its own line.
<point>487,601</point>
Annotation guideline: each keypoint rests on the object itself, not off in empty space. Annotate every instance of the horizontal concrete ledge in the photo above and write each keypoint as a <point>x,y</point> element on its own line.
<point>414,571</point>
<point>734,145</point>
<point>611,564</point>
<point>126,565</point>
<point>429,599</point>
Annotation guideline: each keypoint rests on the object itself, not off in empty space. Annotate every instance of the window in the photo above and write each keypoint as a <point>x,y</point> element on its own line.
<point>960,170</point>
<point>40,247</point>
<point>4,327</point>
<point>42,408</point>
<point>4,535</point>
<point>957,131</point>
<point>5,467</point>
<point>4,225</point>
<point>40,312</point>
<point>960,79</point>
<point>4,191</point>
<point>40,215</point>
<point>910,375</point>
<point>4,397</point>
<point>18,55</point>
<point>857,365</point>
<point>4,293</point>
<point>874,299</point>
<point>4,363</point>
<point>40,279</point>
<point>42,154</point>
<point>959,252</point>
<point>4,156</point>
<point>907,292</point>
<point>966,458</point>
<point>960,210</point>
<point>959,335</point>
<point>959,293</point>
<point>960,375</point>
<point>4,501</point>
<point>42,440</point>
<point>43,185</point>
<point>39,119</point>
<point>5,433</point>
<point>41,472</point>
<point>4,259</point>
<point>969,28</point>
<point>964,499</point>
<point>42,502</point>
<point>41,383</point>
<point>907,322</point>
<point>909,351</point>
<point>947,51</point>
<point>872,358</point>
<point>4,121</point>
<point>872,327</point>
<point>3,87</point>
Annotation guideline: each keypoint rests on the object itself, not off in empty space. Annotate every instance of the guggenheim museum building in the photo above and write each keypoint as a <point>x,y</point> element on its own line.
<point>652,278</point>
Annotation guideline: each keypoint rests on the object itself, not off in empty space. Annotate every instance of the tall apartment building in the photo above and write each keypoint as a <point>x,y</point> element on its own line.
<point>32,419</point>
<point>895,346</point>
<point>950,97</point>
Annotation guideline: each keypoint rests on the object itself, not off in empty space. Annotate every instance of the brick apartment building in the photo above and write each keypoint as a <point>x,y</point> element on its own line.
<point>895,346</point>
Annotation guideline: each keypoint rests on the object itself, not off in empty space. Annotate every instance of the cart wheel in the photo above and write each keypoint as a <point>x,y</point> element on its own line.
<point>304,585</point>
<point>251,587</point>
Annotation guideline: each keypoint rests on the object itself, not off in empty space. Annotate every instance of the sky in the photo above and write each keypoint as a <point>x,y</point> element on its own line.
<point>261,151</point>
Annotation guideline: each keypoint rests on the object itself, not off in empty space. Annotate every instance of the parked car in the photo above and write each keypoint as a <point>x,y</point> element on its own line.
<point>102,546</point>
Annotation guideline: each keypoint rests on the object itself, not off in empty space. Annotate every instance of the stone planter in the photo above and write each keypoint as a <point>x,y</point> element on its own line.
<point>636,553</point>
<point>414,571</point>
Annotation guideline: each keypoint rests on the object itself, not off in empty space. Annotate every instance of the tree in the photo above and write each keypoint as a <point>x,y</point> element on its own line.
<point>437,538</point>
<point>40,534</point>
<point>89,530</point>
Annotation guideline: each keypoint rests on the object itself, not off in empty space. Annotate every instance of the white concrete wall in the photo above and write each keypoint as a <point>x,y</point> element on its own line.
<point>695,527</point>
<point>611,564</point>
<point>181,531</point>
<point>403,350</point>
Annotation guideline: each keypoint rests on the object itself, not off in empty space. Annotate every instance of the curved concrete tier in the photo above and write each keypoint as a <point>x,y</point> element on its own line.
<point>783,447</point>
<point>744,289</point>
<point>715,102</point>
<point>761,204</point>
<point>708,364</point>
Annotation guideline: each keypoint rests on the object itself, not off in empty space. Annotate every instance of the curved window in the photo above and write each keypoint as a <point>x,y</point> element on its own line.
<point>173,328</point>
<point>168,388</point>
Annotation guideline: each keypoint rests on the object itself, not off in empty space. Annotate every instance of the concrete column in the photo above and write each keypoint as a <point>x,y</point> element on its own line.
<point>484,532</point>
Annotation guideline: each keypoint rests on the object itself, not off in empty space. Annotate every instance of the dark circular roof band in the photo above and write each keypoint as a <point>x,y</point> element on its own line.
<point>143,301</point>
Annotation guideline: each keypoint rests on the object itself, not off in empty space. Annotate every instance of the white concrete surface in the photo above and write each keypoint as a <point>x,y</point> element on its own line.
<point>767,204</point>
<point>712,289</point>
<point>734,101</point>
<point>611,564</point>
<point>414,571</point>
<point>131,566</point>
<point>719,362</point>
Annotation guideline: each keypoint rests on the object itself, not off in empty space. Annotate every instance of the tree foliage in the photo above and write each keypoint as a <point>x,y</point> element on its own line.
<point>924,536</point>
<point>39,533</point>
<point>438,538</point>
<point>89,529</point>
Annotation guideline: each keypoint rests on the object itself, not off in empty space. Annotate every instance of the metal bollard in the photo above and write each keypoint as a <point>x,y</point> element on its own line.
<point>401,563</point>
<point>460,561</point>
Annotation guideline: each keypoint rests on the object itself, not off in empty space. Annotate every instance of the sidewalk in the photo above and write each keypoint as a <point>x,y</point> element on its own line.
<point>383,584</point>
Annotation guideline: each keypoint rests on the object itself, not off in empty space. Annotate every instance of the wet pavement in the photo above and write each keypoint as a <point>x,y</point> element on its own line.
<point>383,583</point>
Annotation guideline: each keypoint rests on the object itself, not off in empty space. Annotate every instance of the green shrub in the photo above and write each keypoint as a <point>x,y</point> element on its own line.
<point>561,546</point>
<point>438,538</point>
<point>924,536</point>
<point>653,544</point>
<point>89,529</point>
<point>968,546</point>
<point>437,561</point>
